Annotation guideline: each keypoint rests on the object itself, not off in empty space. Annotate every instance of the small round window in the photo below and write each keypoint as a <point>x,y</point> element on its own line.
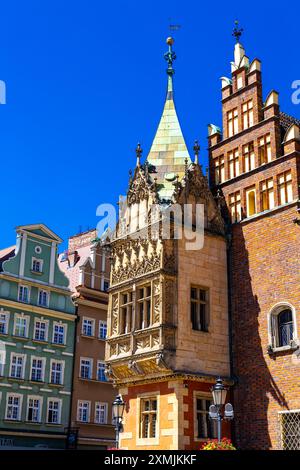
<point>38,250</point>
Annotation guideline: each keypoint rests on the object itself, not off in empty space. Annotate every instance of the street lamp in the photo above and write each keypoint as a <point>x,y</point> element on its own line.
<point>118,408</point>
<point>219,392</point>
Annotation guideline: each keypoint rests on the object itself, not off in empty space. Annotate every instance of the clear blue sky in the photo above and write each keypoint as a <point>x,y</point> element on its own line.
<point>86,81</point>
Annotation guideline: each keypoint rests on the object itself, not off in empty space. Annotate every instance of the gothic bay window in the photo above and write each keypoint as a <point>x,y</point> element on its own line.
<point>144,307</point>
<point>54,411</point>
<point>101,371</point>
<point>86,367</point>
<point>34,408</point>
<point>285,188</point>
<point>199,308</point>
<point>267,194</point>
<point>4,319</point>
<point>23,295</point>
<point>248,157</point>
<point>247,114</point>
<point>205,427</point>
<point>102,329</point>
<point>40,330</point>
<point>264,149</point>
<point>56,372</point>
<point>234,167</point>
<point>148,418</point>
<point>126,312</point>
<point>88,327</point>
<point>21,326</point>
<point>251,201</point>
<point>43,298</point>
<point>235,206</point>
<point>232,122</point>
<point>83,411</point>
<point>219,170</point>
<point>37,369</point>
<point>101,412</point>
<point>17,366</point>
<point>282,327</point>
<point>13,407</point>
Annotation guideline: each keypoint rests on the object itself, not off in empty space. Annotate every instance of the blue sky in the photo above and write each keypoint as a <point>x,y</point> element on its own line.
<point>86,81</point>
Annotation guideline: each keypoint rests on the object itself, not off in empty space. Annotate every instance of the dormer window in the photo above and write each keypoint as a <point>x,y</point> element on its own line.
<point>37,265</point>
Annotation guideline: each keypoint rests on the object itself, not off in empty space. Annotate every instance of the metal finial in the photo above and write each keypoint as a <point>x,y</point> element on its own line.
<point>196,149</point>
<point>237,32</point>
<point>170,56</point>
<point>138,152</point>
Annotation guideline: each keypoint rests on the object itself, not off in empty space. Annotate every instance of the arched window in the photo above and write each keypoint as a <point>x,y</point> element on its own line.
<point>282,327</point>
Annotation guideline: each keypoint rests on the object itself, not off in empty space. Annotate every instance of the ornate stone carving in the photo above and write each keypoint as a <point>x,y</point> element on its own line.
<point>114,313</point>
<point>136,269</point>
<point>143,342</point>
<point>156,301</point>
<point>169,297</point>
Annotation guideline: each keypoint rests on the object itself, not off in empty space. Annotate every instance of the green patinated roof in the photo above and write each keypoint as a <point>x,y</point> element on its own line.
<point>168,151</point>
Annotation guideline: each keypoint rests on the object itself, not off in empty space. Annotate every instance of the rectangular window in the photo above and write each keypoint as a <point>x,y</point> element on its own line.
<point>234,166</point>
<point>285,188</point>
<point>101,413</point>
<point>2,365</point>
<point>83,411</point>
<point>247,114</point>
<point>37,265</point>
<point>86,367</point>
<point>232,122</point>
<point>4,319</point>
<point>13,407</point>
<point>88,327</point>
<point>199,308</point>
<point>219,170</point>
<point>144,307</point>
<point>101,371</point>
<point>125,312</point>
<point>248,157</point>
<point>54,411</point>
<point>206,428</point>
<point>251,201</point>
<point>40,330</point>
<point>17,366</point>
<point>37,369</point>
<point>56,372</point>
<point>102,329</point>
<point>264,149</point>
<point>59,333</point>
<point>267,194</point>
<point>21,326</point>
<point>106,286</point>
<point>43,299</point>
<point>235,206</point>
<point>148,418</point>
<point>290,430</point>
<point>34,409</point>
<point>23,295</point>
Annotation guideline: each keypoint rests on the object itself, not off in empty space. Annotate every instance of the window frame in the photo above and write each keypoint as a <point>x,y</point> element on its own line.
<point>41,263</point>
<point>27,318</point>
<point>103,328</point>
<point>20,406</point>
<point>99,403</point>
<point>43,368</point>
<point>41,320</point>
<point>35,397</point>
<point>65,326</point>
<point>24,357</point>
<point>88,411</point>
<point>198,301</point>
<point>47,292</point>
<point>62,372</point>
<point>199,395</point>
<point>28,288</point>
<point>92,320</point>
<point>247,114</point>
<point>7,317</point>
<point>102,363</point>
<point>91,360</point>
<point>59,401</point>
<point>273,328</point>
<point>287,183</point>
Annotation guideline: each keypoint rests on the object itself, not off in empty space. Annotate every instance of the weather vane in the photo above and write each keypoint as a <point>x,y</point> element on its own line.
<point>237,32</point>
<point>170,56</point>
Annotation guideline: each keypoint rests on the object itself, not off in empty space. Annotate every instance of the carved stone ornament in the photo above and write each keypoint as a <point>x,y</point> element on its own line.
<point>140,187</point>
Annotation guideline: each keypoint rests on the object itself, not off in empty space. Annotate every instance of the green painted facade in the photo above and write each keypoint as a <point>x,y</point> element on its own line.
<point>37,328</point>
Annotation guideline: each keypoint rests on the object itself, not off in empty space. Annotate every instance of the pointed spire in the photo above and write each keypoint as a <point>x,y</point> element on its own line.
<point>170,56</point>
<point>138,152</point>
<point>196,149</point>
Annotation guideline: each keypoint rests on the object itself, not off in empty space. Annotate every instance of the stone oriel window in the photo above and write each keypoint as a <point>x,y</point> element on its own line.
<point>264,149</point>
<point>247,114</point>
<point>267,194</point>
<point>144,307</point>
<point>148,418</point>
<point>234,166</point>
<point>232,122</point>
<point>285,188</point>
<point>126,305</point>
<point>199,308</point>
<point>248,157</point>
<point>219,169</point>
<point>235,206</point>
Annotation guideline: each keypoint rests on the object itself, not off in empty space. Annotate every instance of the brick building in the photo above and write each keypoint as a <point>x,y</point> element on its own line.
<point>254,169</point>
<point>86,264</point>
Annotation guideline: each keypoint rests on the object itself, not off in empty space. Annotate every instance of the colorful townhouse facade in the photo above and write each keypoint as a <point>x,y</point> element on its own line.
<point>87,265</point>
<point>37,328</point>
<point>254,172</point>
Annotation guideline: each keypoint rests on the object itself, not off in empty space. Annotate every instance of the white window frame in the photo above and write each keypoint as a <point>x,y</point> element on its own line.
<point>103,363</point>
<point>27,318</point>
<point>65,332</point>
<point>102,326</point>
<point>14,395</point>
<point>34,397</point>
<point>24,357</point>
<point>79,403</point>
<point>198,395</point>
<point>6,323</point>
<point>33,260</point>
<point>54,399</point>
<point>2,362</point>
<point>99,404</point>
<point>272,314</point>
<point>45,291</point>
<point>91,367</point>
<point>41,320</point>
<point>92,320</point>
<point>22,286</point>
<point>62,371</point>
<point>38,358</point>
